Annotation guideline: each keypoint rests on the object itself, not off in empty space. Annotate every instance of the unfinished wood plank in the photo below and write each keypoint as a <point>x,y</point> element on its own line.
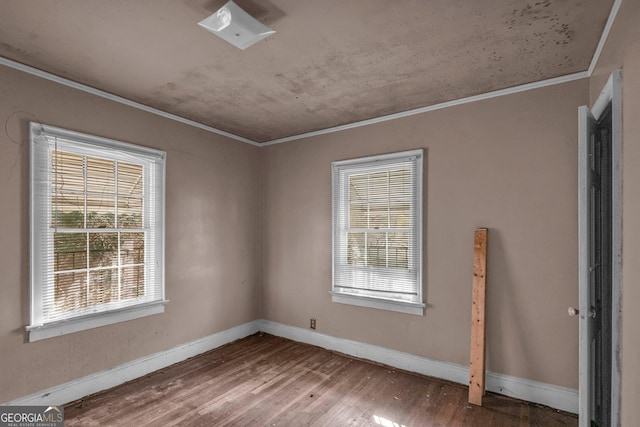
<point>477,363</point>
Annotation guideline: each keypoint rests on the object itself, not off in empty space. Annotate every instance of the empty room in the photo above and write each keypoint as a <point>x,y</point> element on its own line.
<point>330,213</point>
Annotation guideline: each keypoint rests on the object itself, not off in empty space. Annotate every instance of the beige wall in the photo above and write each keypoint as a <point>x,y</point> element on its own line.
<point>212,235</point>
<point>509,164</point>
<point>249,230</point>
<point>622,50</point>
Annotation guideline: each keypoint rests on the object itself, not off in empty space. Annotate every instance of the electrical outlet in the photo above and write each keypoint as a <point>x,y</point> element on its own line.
<point>312,323</point>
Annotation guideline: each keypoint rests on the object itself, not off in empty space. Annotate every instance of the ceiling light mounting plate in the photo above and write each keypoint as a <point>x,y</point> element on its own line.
<point>232,24</point>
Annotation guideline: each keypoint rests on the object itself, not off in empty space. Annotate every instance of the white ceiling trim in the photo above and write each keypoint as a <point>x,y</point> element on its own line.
<point>461,101</point>
<point>488,95</point>
<point>45,75</point>
<point>605,35</point>
<point>508,91</point>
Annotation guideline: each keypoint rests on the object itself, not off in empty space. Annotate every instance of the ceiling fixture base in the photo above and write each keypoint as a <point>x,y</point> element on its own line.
<point>232,24</point>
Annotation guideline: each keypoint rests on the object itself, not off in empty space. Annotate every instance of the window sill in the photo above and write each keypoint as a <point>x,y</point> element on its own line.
<point>37,333</point>
<point>382,304</point>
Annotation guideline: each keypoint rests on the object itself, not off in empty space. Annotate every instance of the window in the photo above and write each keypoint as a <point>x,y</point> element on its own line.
<point>97,231</point>
<point>377,232</point>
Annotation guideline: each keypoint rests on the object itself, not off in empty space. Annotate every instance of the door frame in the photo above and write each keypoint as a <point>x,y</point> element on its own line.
<point>611,93</point>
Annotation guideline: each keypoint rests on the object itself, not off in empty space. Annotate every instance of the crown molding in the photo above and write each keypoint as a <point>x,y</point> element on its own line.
<point>604,36</point>
<point>421,110</point>
<point>494,94</point>
<point>508,91</point>
<point>119,99</point>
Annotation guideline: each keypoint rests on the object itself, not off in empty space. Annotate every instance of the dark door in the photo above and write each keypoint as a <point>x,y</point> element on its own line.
<point>600,207</point>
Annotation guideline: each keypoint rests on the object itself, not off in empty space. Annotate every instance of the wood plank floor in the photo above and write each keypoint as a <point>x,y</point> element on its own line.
<point>264,380</point>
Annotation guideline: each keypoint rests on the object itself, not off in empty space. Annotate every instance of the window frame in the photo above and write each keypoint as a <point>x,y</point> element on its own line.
<point>41,233</point>
<point>340,227</point>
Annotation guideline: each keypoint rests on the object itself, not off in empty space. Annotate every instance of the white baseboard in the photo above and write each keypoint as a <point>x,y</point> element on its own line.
<point>563,398</point>
<point>81,387</point>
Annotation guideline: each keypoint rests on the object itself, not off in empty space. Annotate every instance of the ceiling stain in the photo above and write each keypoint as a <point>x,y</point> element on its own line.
<point>330,63</point>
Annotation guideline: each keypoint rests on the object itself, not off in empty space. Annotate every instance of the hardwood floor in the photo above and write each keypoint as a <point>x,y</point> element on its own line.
<point>264,380</point>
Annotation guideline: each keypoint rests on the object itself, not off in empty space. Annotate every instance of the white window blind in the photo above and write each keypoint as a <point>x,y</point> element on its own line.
<point>97,226</point>
<point>377,231</point>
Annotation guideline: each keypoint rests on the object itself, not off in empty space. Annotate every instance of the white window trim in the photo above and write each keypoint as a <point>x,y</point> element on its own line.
<point>380,303</point>
<point>369,301</point>
<point>38,330</point>
<point>82,323</point>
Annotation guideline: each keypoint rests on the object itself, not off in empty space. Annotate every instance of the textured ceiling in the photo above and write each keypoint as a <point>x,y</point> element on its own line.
<point>330,62</point>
